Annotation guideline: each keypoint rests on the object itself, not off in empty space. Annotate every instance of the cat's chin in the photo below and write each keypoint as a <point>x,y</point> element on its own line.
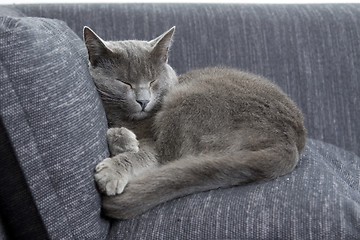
<point>139,115</point>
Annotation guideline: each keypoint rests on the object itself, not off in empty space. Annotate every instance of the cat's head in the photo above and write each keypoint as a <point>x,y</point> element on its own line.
<point>132,75</point>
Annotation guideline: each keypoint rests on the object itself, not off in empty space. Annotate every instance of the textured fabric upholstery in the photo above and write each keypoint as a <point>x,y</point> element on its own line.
<point>319,200</point>
<point>17,207</point>
<point>54,120</point>
<point>311,51</point>
<point>56,126</point>
<point>10,11</point>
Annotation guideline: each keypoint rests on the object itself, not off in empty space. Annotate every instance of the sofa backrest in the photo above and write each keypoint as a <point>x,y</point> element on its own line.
<point>311,51</point>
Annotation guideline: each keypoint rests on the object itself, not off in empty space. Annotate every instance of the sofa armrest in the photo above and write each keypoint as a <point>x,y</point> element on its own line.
<point>55,129</point>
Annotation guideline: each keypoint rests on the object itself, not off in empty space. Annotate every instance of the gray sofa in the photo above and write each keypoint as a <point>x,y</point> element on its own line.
<point>53,124</point>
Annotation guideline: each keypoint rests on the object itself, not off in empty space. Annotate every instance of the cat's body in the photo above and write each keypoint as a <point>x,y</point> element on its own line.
<point>217,127</point>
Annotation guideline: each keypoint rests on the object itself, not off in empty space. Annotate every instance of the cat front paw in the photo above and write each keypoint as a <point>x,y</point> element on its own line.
<point>109,179</point>
<point>121,140</point>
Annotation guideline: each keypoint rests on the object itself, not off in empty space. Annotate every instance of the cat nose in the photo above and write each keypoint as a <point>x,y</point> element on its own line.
<point>143,103</point>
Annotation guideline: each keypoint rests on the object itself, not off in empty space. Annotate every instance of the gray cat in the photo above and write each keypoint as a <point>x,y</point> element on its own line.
<point>169,137</point>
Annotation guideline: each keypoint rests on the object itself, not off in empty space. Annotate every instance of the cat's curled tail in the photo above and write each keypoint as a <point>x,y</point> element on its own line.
<point>193,174</point>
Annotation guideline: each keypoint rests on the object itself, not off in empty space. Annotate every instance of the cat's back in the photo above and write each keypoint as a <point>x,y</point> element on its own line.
<point>223,100</point>
<point>228,89</point>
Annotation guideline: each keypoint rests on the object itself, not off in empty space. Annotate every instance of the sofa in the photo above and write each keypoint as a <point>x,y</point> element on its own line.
<point>53,125</point>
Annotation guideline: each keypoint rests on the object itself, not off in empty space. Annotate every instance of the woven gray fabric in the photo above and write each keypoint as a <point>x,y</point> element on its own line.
<point>311,51</point>
<point>319,200</point>
<point>9,11</point>
<point>56,123</point>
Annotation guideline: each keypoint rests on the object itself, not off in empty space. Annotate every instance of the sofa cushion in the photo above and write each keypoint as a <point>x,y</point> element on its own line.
<point>320,199</point>
<point>14,192</point>
<point>56,128</point>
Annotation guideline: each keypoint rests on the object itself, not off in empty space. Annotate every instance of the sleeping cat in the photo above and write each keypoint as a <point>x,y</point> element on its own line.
<point>170,137</point>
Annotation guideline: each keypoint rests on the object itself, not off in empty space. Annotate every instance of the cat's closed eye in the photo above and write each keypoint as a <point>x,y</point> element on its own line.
<point>152,83</point>
<point>125,83</point>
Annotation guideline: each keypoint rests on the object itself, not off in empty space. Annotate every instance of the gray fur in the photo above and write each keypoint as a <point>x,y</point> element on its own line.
<point>216,128</point>
<point>126,72</point>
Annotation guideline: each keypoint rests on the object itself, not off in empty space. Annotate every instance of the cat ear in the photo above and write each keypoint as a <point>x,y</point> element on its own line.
<point>162,45</point>
<point>95,46</point>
